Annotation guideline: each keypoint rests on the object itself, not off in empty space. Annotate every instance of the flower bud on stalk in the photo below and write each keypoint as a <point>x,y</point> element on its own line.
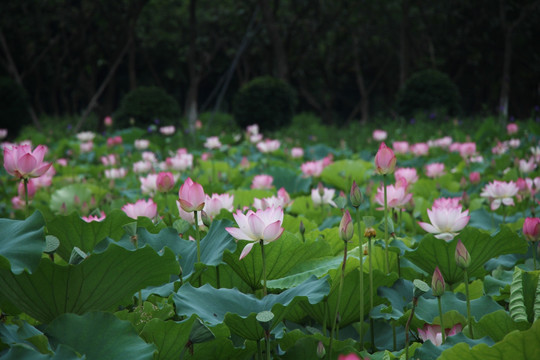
<point>437,283</point>
<point>463,259</point>
<point>385,160</point>
<point>356,195</point>
<point>346,227</point>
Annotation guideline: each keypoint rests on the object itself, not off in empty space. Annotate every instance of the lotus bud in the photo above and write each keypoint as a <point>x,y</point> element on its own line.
<point>463,259</point>
<point>356,195</point>
<point>302,228</point>
<point>437,283</point>
<point>207,221</point>
<point>320,188</point>
<point>164,182</point>
<point>385,160</point>
<point>346,227</point>
<point>321,351</point>
<point>531,229</point>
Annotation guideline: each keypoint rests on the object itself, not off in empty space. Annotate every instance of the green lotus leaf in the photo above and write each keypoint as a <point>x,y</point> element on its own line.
<point>170,337</point>
<point>432,252</point>
<point>523,345</point>
<point>72,231</point>
<point>23,242</point>
<point>289,179</point>
<point>427,309</point>
<point>68,199</point>
<point>239,310</point>
<point>349,307</point>
<point>523,296</point>
<point>340,174</point>
<point>243,197</point>
<point>281,255</point>
<point>99,282</point>
<point>21,352</point>
<point>24,334</point>
<point>99,336</point>
<point>497,325</point>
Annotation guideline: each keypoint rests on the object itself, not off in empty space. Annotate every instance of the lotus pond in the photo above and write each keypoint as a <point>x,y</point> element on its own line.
<point>157,244</point>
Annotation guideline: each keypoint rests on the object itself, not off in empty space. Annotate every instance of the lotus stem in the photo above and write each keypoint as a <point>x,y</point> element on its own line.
<point>195,215</point>
<point>25,181</point>
<point>535,251</point>
<point>371,327</point>
<point>135,241</point>
<point>267,338</point>
<point>264,267</point>
<point>387,258</point>
<point>341,281</point>
<point>442,322</point>
<point>407,326</point>
<point>361,252</point>
<point>469,318</point>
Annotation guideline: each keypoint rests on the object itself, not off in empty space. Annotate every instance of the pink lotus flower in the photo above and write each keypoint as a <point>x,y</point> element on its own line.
<point>400,147</point>
<point>115,173</point>
<point>531,229</point>
<point>212,142</point>
<point>205,156</point>
<point>446,221</point>
<point>109,160</point>
<point>467,149</point>
<point>447,202</point>
<point>409,174</point>
<point>326,197</point>
<point>379,135</point>
<point>434,170</point>
<point>419,149</point>
<point>86,136</point>
<point>527,166</point>
<point>108,121</point>
<point>244,163</point>
<point>167,130</point>
<point>116,140</point>
<point>512,128</point>
<point>263,225</point>
<point>500,148</point>
<point>262,182</point>
<point>141,207</point>
<point>18,203</point>
<point>474,177</point>
<point>165,182</point>
<point>142,166</point>
<point>397,196</point>
<point>351,356</point>
<point>3,133</point>
<point>444,142</point>
<point>433,333</point>
<point>91,218</point>
<point>282,200</point>
<point>255,138</point>
<point>252,129</point>
<point>23,163</point>
<point>385,160</point>
<point>191,196</point>
<point>180,162</point>
<point>268,146</point>
<point>297,152</point>
<point>500,192</point>
<point>142,144</point>
<point>149,156</point>
<point>312,168</point>
<point>214,204</point>
<point>346,227</point>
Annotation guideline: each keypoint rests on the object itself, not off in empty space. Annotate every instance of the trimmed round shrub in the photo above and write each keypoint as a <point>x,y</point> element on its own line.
<point>429,91</point>
<point>146,104</point>
<point>14,105</point>
<point>266,101</point>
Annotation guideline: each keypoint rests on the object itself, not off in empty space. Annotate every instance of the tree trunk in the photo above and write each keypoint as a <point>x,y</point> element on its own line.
<point>505,78</point>
<point>280,57</point>
<point>404,44</point>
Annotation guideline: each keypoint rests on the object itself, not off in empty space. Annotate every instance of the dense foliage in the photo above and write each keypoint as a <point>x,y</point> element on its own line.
<point>346,59</point>
<point>105,262</point>
<point>13,105</point>
<point>144,105</point>
<point>266,101</point>
<point>429,91</point>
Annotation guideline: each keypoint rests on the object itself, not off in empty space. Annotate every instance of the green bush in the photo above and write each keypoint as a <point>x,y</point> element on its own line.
<point>144,105</point>
<point>429,91</point>
<point>266,101</point>
<point>13,107</point>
